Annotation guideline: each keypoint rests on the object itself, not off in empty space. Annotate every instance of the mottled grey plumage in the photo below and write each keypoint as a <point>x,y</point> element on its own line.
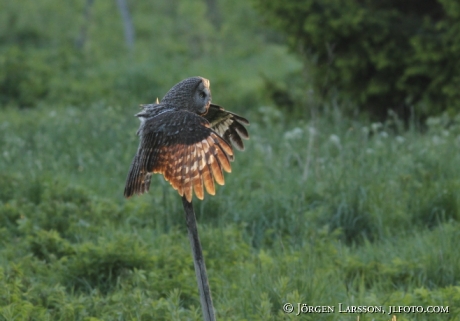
<point>187,139</point>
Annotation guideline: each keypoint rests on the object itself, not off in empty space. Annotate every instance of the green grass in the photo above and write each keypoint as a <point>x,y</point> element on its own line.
<point>319,209</point>
<point>317,212</point>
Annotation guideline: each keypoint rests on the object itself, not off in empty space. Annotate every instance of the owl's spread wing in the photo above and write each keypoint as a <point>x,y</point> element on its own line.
<point>228,125</point>
<point>181,146</point>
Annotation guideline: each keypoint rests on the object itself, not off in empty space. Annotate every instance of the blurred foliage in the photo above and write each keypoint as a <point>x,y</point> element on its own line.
<point>318,209</point>
<point>24,78</point>
<point>381,55</point>
<point>88,61</point>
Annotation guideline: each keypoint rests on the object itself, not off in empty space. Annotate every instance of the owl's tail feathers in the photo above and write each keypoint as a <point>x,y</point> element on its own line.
<point>138,180</point>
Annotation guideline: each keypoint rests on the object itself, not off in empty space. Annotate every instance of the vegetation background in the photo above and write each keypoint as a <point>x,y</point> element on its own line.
<point>327,205</point>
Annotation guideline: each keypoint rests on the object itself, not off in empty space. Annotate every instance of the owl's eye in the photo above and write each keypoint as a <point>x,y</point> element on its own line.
<point>202,94</point>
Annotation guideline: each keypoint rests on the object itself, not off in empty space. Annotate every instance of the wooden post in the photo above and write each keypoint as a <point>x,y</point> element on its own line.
<point>198,260</point>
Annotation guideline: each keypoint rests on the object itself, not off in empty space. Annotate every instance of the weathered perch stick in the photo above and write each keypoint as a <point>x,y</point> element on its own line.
<point>198,260</point>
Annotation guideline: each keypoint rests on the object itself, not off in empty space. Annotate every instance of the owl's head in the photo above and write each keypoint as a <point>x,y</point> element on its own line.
<point>192,94</point>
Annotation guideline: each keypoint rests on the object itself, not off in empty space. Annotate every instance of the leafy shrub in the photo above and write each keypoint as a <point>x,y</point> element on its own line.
<point>9,186</point>
<point>51,211</point>
<point>101,265</point>
<point>60,209</point>
<point>24,77</point>
<point>382,54</point>
<point>13,284</point>
<point>48,245</point>
<point>10,214</point>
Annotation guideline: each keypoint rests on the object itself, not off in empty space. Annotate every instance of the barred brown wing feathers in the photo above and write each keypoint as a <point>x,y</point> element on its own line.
<point>208,179</point>
<point>181,146</point>
<point>197,173</point>
<point>228,125</point>
<point>186,180</point>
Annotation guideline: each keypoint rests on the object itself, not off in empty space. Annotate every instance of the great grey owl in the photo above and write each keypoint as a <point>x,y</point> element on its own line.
<point>187,139</point>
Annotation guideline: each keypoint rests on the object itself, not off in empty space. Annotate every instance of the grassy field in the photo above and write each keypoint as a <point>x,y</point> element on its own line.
<point>321,212</point>
<point>320,209</point>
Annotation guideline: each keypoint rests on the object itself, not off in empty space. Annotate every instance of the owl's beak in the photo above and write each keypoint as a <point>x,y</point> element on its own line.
<point>205,109</point>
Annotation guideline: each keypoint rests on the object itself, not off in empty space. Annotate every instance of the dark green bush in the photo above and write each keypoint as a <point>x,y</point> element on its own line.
<point>9,186</point>
<point>381,55</point>
<point>24,77</point>
<point>10,214</point>
<point>101,265</point>
<point>48,245</point>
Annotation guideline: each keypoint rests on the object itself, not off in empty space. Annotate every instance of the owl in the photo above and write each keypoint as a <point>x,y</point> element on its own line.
<point>187,139</point>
